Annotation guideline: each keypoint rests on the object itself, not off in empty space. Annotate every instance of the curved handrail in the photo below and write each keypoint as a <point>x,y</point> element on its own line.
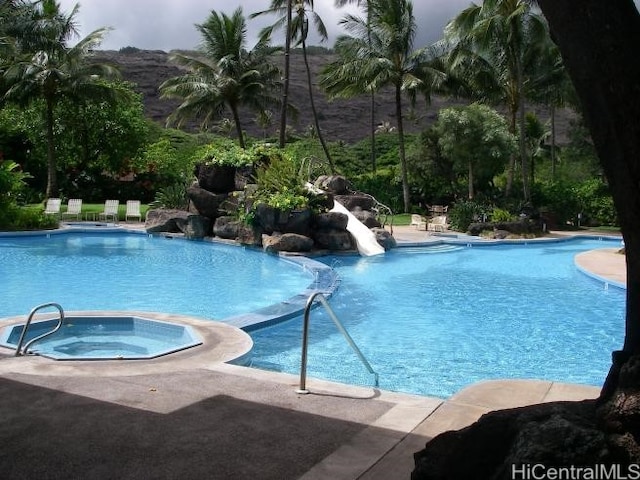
<point>39,337</point>
<point>305,340</point>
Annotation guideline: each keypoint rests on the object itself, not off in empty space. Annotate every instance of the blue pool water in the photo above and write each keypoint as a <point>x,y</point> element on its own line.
<point>432,320</point>
<point>120,271</point>
<point>103,338</point>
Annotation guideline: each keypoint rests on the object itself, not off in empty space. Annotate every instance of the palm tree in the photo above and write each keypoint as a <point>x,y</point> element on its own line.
<point>372,117</point>
<point>46,68</point>
<point>297,28</point>
<point>224,75</point>
<point>552,87</point>
<point>379,53</point>
<point>493,46</point>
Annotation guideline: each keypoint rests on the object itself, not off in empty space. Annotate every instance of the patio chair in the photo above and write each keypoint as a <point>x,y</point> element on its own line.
<point>418,221</point>
<point>437,224</point>
<point>133,210</point>
<point>110,210</point>
<point>53,206</point>
<point>74,208</point>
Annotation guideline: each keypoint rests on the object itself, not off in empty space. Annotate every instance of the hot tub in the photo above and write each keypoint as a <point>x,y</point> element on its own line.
<point>104,338</point>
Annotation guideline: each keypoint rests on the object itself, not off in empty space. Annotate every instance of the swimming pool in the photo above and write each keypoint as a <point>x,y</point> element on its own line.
<point>133,271</point>
<point>433,320</point>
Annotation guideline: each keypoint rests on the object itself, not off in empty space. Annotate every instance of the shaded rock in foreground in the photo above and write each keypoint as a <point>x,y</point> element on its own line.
<point>551,434</point>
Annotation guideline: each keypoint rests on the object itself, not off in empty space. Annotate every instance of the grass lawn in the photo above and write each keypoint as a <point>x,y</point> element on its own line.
<point>400,219</point>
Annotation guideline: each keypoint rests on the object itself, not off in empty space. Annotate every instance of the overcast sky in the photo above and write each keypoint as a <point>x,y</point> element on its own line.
<point>169,24</point>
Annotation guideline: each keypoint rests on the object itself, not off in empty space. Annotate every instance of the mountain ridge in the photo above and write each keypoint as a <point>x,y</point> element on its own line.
<point>347,120</point>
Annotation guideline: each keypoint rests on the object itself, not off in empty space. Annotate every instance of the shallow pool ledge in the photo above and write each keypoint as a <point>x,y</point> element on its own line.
<point>605,265</point>
<point>325,281</point>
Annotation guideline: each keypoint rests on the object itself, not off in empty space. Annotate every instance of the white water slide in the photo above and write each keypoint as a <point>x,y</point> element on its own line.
<point>365,239</point>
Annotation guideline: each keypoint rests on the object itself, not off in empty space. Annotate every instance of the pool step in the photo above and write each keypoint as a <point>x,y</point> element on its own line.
<point>439,248</point>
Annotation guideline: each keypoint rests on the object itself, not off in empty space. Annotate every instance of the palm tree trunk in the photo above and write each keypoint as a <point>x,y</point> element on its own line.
<point>553,142</point>
<point>238,124</point>
<point>471,191</point>
<point>52,174</point>
<point>512,159</point>
<point>373,131</point>
<point>285,82</point>
<point>524,158</point>
<point>313,108</point>
<point>403,157</point>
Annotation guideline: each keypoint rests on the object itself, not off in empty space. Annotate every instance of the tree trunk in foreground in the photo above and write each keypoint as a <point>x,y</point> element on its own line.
<point>599,42</point>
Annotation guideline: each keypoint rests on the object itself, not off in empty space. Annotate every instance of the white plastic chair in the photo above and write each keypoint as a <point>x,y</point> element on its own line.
<point>110,210</point>
<point>53,206</point>
<point>74,208</point>
<point>418,221</point>
<point>133,210</point>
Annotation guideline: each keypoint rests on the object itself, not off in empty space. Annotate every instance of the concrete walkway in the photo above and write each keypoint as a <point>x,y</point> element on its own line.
<point>203,419</point>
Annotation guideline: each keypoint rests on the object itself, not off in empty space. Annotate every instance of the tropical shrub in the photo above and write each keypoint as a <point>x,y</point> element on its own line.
<point>464,213</point>
<point>172,196</point>
<point>501,215</point>
<point>384,185</point>
<point>596,203</point>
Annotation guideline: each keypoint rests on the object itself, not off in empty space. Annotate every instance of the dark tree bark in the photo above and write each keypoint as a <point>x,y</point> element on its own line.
<point>599,42</point>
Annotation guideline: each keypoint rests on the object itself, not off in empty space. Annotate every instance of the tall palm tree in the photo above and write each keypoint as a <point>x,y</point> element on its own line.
<point>297,30</point>
<point>46,68</point>
<point>552,87</point>
<point>372,109</point>
<point>495,44</point>
<point>379,53</point>
<point>223,75</point>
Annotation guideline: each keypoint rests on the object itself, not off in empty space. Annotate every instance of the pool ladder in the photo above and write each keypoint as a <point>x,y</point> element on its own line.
<point>39,337</point>
<point>305,340</point>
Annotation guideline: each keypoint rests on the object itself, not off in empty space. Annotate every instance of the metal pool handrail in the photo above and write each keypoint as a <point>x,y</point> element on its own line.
<point>305,340</point>
<point>39,337</point>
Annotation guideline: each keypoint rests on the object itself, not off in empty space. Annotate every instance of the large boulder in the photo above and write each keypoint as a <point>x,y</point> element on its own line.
<point>351,202</point>
<point>226,227</point>
<point>283,221</point>
<point>332,239</point>
<point>165,220</point>
<point>195,226</point>
<point>287,242</point>
<point>250,234</point>
<point>177,221</point>
<point>205,202</point>
<point>384,238</point>
<point>560,434</point>
<point>331,220</point>
<point>216,178</point>
<point>336,184</point>
<point>367,217</point>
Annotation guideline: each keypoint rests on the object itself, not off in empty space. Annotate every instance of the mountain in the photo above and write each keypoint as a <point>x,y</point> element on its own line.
<point>345,120</point>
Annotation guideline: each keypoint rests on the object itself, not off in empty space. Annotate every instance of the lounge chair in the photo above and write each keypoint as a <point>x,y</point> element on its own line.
<point>110,210</point>
<point>133,210</point>
<point>74,208</point>
<point>53,206</point>
<point>437,224</point>
<point>418,221</point>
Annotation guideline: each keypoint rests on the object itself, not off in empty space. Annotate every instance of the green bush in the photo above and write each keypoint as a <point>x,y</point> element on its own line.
<point>557,202</point>
<point>501,215</point>
<point>384,185</point>
<point>464,213</point>
<point>173,196</point>
<point>596,203</point>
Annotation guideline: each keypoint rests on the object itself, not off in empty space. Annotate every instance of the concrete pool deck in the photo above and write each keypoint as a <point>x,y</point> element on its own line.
<point>211,420</point>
